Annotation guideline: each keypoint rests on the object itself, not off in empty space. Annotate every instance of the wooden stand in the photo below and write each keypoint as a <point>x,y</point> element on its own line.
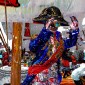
<point>3,40</point>
<point>16,54</point>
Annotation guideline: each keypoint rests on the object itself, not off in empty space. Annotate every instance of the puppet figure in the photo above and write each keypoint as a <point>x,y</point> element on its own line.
<point>49,45</point>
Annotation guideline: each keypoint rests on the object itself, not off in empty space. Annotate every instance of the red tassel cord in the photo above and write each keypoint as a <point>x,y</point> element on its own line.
<point>27,30</point>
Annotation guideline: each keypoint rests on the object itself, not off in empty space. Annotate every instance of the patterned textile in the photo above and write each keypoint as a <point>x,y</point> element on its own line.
<point>47,77</point>
<point>52,50</point>
<point>38,43</point>
<point>35,69</point>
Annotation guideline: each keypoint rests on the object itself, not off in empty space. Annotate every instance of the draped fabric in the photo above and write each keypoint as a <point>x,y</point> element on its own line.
<point>37,45</point>
<point>14,3</point>
<point>33,70</point>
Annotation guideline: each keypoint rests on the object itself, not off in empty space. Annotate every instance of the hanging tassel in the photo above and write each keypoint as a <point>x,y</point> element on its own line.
<point>27,30</point>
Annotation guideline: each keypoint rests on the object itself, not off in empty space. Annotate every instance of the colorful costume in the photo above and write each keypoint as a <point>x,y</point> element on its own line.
<point>48,46</point>
<point>42,60</point>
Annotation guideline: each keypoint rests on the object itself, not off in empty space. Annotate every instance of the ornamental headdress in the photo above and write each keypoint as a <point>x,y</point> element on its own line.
<point>51,12</point>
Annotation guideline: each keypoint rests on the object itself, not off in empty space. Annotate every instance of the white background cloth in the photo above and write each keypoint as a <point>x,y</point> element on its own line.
<point>31,8</point>
<point>78,72</point>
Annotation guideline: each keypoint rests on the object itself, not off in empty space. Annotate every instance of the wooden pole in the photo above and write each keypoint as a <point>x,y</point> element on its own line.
<point>6,20</point>
<point>5,45</point>
<point>3,40</point>
<point>16,54</point>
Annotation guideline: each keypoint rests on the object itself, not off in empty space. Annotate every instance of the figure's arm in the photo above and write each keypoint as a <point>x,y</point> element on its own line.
<point>72,40</point>
<point>39,42</point>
